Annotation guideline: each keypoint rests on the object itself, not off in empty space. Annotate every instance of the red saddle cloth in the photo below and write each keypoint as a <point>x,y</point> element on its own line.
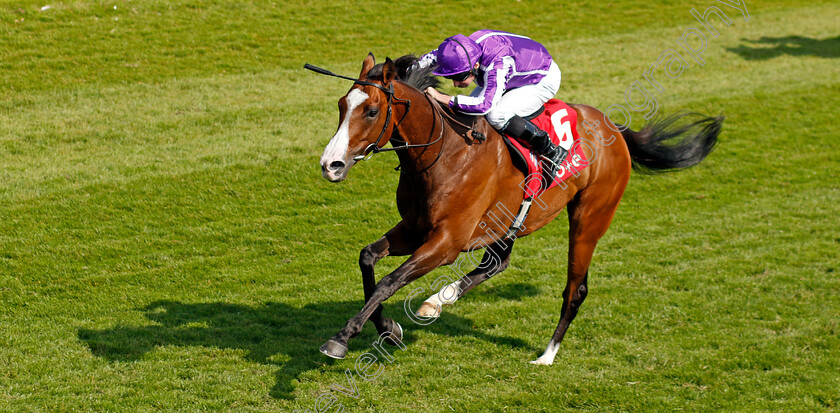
<point>560,121</point>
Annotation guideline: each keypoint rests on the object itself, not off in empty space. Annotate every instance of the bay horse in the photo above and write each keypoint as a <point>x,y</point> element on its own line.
<point>450,183</point>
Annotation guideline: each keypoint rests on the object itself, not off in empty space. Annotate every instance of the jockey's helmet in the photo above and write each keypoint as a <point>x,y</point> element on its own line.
<point>456,55</point>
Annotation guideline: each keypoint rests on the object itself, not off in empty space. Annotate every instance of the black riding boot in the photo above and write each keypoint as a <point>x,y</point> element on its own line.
<point>524,130</point>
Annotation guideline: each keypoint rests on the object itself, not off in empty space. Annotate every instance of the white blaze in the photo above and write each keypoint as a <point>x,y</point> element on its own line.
<point>336,150</point>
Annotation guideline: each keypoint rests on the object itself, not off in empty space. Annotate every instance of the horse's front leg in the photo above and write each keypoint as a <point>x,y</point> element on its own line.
<point>396,242</point>
<point>440,249</point>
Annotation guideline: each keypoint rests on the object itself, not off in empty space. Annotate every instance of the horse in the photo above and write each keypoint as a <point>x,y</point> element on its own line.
<point>451,181</point>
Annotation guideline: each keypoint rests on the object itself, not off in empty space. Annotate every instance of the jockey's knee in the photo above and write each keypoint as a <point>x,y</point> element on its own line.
<point>498,119</point>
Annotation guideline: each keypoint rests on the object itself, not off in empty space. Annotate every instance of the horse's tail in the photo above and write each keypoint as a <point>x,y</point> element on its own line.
<point>662,146</point>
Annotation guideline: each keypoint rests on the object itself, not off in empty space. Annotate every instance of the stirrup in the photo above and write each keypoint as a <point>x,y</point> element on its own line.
<point>555,156</point>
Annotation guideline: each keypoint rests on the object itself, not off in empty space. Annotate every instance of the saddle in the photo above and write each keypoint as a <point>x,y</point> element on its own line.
<point>560,121</point>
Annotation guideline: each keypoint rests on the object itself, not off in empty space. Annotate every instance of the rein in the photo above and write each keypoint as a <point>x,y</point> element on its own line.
<point>474,135</point>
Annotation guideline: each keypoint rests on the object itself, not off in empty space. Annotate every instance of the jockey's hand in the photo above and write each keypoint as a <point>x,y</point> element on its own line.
<point>442,98</point>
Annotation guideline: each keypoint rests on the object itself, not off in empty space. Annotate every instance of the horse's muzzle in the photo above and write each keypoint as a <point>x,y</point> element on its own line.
<point>337,165</point>
<point>335,171</point>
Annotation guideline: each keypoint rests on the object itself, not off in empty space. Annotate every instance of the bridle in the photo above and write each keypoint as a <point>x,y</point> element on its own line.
<point>374,148</point>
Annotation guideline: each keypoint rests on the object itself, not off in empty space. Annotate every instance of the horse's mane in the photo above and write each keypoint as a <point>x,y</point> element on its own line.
<point>421,79</point>
<point>418,79</point>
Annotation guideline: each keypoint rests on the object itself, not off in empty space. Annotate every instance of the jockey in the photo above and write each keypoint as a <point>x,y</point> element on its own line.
<point>515,77</point>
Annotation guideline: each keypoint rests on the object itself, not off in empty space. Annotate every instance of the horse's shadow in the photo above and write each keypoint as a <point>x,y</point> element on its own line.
<point>270,332</point>
<point>788,45</point>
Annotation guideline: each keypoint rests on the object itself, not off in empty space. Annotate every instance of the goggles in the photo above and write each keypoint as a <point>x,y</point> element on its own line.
<point>459,77</point>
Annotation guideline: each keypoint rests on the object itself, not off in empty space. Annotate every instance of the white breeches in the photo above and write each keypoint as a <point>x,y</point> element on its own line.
<point>525,100</point>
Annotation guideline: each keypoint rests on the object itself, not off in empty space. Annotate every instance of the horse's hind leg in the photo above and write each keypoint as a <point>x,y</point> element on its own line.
<point>590,214</point>
<point>496,259</point>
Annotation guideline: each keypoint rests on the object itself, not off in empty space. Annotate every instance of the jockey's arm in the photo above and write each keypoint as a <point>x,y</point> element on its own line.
<point>441,98</point>
<point>485,98</point>
<point>426,60</point>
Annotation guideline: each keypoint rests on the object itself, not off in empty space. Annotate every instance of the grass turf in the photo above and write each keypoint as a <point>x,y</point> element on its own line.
<point>167,243</point>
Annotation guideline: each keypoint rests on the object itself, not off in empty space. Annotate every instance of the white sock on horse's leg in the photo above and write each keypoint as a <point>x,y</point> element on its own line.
<point>548,356</point>
<point>447,295</point>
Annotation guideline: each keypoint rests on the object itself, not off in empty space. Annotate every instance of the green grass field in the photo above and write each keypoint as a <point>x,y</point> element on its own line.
<point>167,242</point>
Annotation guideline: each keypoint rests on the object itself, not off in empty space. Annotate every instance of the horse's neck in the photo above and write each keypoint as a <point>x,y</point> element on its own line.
<point>431,170</point>
<point>424,126</point>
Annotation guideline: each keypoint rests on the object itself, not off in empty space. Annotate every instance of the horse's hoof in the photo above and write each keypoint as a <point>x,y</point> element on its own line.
<point>541,362</point>
<point>396,332</point>
<point>334,349</point>
<point>428,310</point>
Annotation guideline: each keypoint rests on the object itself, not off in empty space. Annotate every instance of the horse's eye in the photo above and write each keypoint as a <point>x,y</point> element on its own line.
<point>371,113</point>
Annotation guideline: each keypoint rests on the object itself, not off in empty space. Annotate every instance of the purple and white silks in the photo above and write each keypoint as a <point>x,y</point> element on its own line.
<point>508,61</point>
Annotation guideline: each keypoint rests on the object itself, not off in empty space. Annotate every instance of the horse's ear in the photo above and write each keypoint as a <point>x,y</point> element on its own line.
<point>367,65</point>
<point>389,71</point>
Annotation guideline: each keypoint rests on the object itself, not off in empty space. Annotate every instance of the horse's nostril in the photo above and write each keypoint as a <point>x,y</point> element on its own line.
<point>336,165</point>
